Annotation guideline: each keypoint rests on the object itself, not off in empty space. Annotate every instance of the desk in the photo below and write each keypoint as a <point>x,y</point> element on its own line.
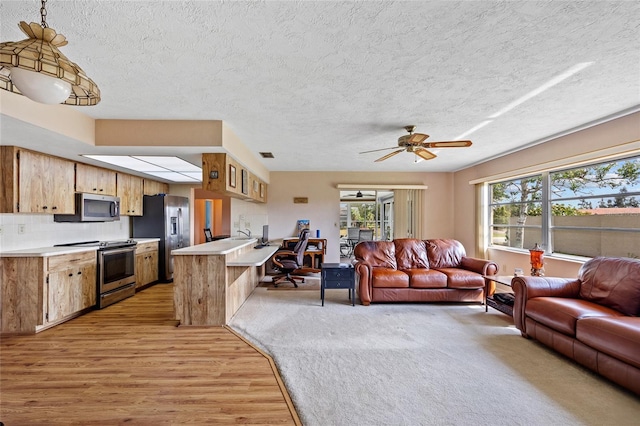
<point>313,255</point>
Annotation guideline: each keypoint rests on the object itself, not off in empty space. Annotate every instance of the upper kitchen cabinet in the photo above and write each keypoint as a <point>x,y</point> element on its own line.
<point>153,187</point>
<point>35,183</point>
<point>129,189</point>
<point>221,173</point>
<point>95,180</point>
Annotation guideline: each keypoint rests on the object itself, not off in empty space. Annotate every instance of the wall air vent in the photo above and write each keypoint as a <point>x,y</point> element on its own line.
<point>266,154</point>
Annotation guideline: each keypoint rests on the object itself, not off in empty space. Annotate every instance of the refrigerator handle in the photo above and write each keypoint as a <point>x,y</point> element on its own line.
<point>180,227</point>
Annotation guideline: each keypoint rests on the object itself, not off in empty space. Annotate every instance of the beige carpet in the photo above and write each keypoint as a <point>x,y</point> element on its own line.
<point>421,364</point>
<point>311,283</point>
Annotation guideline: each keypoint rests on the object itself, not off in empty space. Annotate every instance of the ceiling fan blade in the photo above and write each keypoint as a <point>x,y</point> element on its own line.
<point>389,155</point>
<point>424,154</point>
<point>447,144</point>
<point>376,150</point>
<point>417,138</point>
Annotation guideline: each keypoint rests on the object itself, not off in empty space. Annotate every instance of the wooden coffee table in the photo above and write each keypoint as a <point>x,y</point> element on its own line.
<point>491,301</point>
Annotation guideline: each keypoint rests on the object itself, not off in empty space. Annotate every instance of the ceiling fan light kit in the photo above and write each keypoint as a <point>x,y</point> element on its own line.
<point>36,68</point>
<point>415,143</point>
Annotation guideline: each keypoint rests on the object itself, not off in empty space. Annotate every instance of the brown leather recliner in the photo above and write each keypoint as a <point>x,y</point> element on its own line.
<point>592,319</point>
<point>412,270</point>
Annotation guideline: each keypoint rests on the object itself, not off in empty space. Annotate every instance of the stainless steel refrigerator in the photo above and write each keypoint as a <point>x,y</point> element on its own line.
<point>165,217</point>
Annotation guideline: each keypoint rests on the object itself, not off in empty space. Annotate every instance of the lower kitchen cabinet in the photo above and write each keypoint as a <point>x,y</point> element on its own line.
<point>39,292</point>
<point>146,264</point>
<point>71,285</point>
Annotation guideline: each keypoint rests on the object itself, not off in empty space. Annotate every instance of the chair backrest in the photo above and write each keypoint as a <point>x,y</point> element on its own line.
<point>353,233</point>
<point>300,248</point>
<point>208,236</point>
<point>365,235</point>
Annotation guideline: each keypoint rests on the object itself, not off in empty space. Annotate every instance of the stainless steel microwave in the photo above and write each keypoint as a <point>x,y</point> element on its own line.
<point>92,208</point>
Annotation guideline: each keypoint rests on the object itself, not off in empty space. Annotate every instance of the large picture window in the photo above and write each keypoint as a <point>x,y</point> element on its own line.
<point>589,211</point>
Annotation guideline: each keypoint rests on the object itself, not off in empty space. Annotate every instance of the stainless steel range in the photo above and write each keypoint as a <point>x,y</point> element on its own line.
<point>116,277</point>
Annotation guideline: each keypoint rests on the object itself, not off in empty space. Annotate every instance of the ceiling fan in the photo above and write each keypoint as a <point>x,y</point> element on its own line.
<point>414,142</point>
<point>358,194</point>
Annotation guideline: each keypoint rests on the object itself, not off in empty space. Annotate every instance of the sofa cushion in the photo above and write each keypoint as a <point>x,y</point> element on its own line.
<point>612,282</point>
<point>561,314</point>
<point>389,278</point>
<point>426,278</point>
<point>618,337</point>
<point>411,253</point>
<point>461,278</point>
<point>379,254</point>
<point>444,253</point>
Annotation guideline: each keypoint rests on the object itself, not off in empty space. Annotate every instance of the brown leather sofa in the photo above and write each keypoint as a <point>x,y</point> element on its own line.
<point>412,270</point>
<point>593,319</point>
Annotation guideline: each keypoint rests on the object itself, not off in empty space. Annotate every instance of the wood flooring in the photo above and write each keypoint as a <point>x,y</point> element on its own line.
<point>129,363</point>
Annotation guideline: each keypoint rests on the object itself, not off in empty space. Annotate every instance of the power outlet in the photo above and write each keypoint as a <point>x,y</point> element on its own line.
<point>22,228</point>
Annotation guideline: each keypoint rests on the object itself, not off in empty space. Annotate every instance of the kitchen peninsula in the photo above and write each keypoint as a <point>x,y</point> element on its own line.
<point>212,280</point>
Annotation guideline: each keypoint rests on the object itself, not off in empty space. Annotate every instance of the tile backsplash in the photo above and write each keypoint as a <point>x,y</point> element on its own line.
<point>25,231</point>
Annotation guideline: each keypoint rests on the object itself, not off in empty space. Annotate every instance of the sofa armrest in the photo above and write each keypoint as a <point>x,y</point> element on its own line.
<point>481,266</point>
<point>363,274</point>
<point>526,288</point>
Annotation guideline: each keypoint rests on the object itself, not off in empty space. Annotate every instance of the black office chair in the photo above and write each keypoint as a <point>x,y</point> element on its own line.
<point>208,236</point>
<point>291,261</point>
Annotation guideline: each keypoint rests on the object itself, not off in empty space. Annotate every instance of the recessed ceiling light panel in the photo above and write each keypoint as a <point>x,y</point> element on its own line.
<point>170,168</point>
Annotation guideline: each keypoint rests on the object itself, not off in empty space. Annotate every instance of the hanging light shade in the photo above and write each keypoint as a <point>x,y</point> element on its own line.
<point>35,68</point>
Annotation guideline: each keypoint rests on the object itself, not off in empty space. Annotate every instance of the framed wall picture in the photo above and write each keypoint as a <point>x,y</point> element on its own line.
<point>232,175</point>
<point>245,182</point>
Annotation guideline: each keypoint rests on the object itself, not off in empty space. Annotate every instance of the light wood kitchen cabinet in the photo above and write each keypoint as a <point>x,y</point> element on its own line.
<point>146,263</point>
<point>39,292</point>
<point>71,285</point>
<point>221,173</point>
<point>129,189</point>
<point>153,187</point>
<point>95,180</point>
<point>36,183</point>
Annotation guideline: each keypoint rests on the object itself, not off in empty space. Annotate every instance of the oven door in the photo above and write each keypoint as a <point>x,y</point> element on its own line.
<point>116,268</point>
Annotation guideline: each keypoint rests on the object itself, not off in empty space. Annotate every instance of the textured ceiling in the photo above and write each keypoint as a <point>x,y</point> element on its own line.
<point>317,82</point>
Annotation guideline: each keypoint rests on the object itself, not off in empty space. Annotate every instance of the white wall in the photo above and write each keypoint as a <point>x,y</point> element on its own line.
<point>249,215</point>
<point>41,231</point>
<point>323,209</point>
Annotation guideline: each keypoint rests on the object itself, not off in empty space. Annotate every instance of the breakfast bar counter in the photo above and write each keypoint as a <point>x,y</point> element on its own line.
<point>212,280</point>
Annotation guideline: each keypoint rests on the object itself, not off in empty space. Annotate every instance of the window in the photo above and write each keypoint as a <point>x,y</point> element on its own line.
<point>589,211</point>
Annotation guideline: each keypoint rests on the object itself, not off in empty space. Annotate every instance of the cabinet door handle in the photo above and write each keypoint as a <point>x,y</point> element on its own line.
<point>79,272</point>
<point>44,207</point>
<point>54,208</point>
<point>71,274</point>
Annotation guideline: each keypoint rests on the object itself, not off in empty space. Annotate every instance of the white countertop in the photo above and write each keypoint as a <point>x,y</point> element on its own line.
<point>54,251</point>
<point>145,240</point>
<point>214,247</point>
<point>254,258</point>
<point>45,251</point>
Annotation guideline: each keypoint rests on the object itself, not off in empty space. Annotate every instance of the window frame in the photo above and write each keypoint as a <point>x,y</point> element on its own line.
<point>547,199</point>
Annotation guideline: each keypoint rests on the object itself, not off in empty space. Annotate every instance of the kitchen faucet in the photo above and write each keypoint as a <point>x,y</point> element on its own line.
<point>244,233</point>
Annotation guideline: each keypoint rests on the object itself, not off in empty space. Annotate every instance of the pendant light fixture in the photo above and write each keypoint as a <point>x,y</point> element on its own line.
<point>35,68</point>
